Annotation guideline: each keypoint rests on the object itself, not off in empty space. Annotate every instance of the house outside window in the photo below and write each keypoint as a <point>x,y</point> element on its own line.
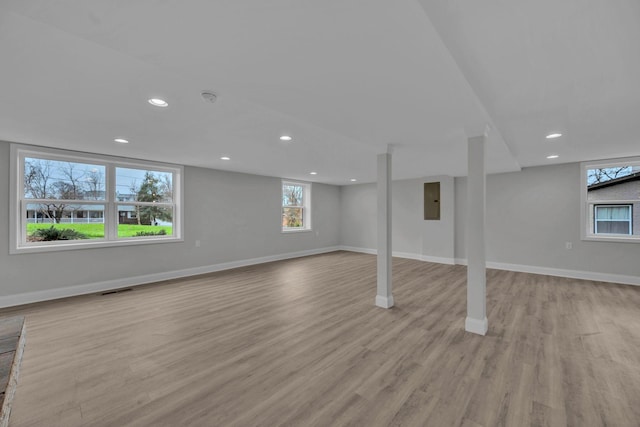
<point>611,200</point>
<point>296,206</point>
<point>612,219</point>
<point>66,200</point>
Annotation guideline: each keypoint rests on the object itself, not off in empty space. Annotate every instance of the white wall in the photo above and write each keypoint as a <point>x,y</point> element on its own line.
<point>412,235</point>
<point>235,216</point>
<point>531,215</point>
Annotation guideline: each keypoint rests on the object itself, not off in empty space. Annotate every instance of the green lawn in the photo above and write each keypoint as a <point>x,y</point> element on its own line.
<point>125,230</point>
<point>96,231</point>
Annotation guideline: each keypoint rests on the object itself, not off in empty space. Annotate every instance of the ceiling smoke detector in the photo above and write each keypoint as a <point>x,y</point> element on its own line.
<point>209,96</point>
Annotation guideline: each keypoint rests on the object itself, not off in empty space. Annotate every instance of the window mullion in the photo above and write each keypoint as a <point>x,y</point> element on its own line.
<point>22,236</point>
<point>63,201</point>
<point>111,214</point>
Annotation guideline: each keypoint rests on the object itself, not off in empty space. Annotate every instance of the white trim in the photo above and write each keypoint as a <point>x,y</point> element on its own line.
<point>70,291</point>
<point>438,260</point>
<point>476,326</point>
<point>612,238</point>
<point>15,233</point>
<point>407,255</point>
<point>384,302</point>
<point>18,243</point>
<point>586,212</point>
<point>561,272</point>
<point>63,245</point>
<point>610,205</point>
<point>306,205</point>
<point>360,250</point>
<point>558,272</point>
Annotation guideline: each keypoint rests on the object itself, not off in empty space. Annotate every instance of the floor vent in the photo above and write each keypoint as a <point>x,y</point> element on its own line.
<point>116,291</point>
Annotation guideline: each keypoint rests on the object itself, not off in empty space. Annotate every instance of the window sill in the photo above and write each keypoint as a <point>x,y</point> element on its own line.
<point>612,239</point>
<point>37,248</point>
<point>303,230</point>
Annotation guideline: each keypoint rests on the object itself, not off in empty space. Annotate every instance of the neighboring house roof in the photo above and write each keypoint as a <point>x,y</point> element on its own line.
<point>627,178</point>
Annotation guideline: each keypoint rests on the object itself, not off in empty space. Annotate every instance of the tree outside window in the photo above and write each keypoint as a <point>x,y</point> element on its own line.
<point>295,206</point>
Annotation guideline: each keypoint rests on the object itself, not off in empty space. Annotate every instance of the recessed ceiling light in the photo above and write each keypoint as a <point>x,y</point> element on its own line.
<point>225,158</point>
<point>121,140</point>
<point>353,180</point>
<point>554,135</point>
<point>553,156</point>
<point>285,138</point>
<point>157,102</point>
<point>313,173</point>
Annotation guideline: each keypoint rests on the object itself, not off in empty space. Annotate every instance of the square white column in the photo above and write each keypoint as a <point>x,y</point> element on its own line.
<point>384,296</point>
<point>476,320</point>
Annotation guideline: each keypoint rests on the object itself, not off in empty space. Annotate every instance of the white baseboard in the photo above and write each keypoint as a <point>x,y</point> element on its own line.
<point>438,260</point>
<point>476,326</point>
<point>69,291</point>
<point>360,250</point>
<point>384,302</point>
<point>407,255</point>
<point>560,272</point>
<point>90,288</point>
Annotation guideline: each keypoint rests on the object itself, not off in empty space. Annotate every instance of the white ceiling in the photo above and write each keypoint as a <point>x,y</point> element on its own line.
<point>343,77</point>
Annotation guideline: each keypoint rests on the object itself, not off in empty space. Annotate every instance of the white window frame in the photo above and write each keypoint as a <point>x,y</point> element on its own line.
<point>609,205</point>
<point>587,211</point>
<point>306,207</point>
<point>17,216</point>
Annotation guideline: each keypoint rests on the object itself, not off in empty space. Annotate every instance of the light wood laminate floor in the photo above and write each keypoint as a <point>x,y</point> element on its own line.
<point>300,343</point>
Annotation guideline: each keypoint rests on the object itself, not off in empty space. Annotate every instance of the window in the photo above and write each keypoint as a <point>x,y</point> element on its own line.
<point>612,219</point>
<point>67,200</point>
<point>296,202</point>
<point>611,200</point>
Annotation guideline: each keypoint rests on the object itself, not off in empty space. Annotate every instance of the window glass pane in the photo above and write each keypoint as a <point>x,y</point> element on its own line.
<point>143,185</point>
<point>613,227</point>
<point>142,221</point>
<point>602,175</point>
<point>612,219</point>
<point>60,221</point>
<point>292,195</point>
<point>613,212</point>
<point>54,179</point>
<point>292,217</point>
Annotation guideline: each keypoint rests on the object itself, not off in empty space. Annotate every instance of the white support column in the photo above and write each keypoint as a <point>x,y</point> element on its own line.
<point>384,296</point>
<point>476,320</point>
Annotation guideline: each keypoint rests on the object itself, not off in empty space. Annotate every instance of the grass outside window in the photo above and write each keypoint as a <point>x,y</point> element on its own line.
<point>96,231</point>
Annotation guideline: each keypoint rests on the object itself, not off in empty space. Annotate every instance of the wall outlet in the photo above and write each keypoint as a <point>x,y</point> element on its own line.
<point>197,243</point>
<point>568,245</point>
